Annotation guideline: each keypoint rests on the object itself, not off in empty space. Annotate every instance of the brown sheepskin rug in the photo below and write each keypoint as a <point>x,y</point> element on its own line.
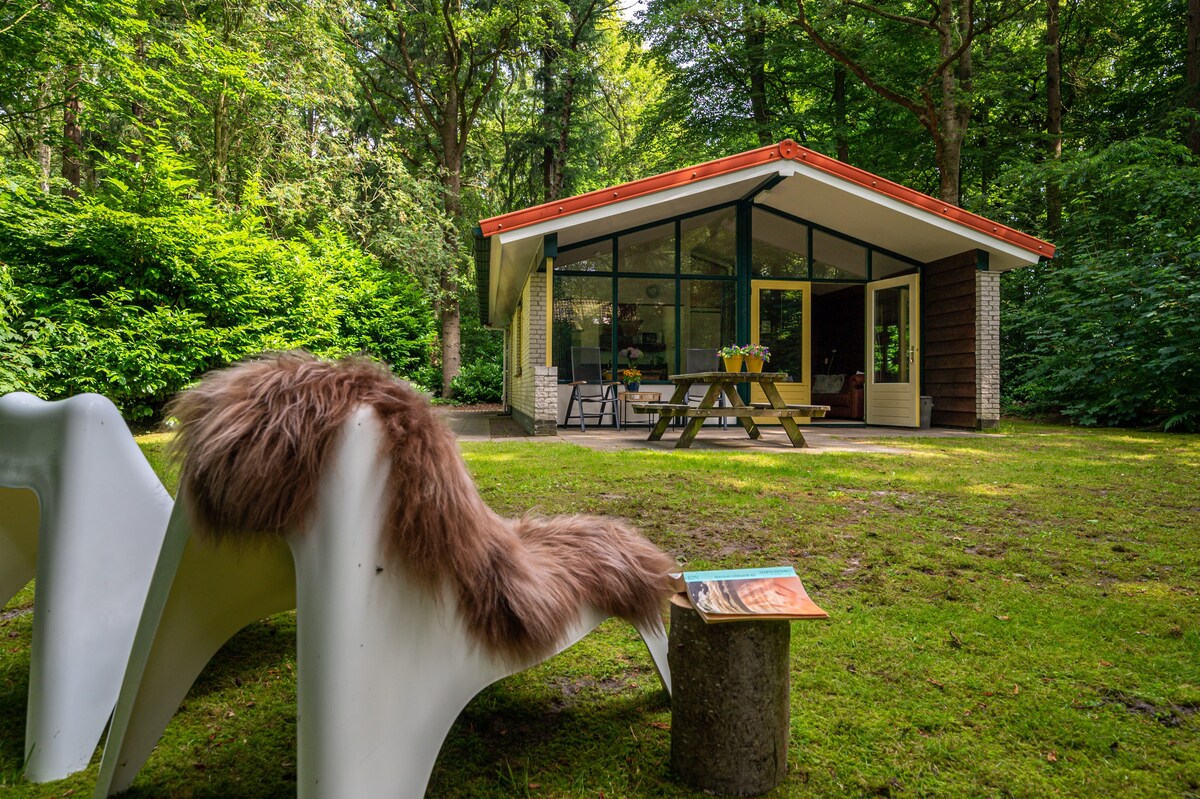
<point>253,440</point>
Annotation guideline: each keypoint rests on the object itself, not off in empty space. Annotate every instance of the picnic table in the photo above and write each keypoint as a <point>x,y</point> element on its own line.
<point>725,382</point>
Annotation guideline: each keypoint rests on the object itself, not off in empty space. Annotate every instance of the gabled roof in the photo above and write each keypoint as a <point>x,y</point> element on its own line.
<point>802,182</point>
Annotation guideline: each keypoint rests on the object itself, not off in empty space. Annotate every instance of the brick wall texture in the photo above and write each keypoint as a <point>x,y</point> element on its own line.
<point>533,387</point>
<point>987,348</point>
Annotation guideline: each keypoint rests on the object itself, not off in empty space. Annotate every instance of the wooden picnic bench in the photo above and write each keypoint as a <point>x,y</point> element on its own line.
<point>724,382</point>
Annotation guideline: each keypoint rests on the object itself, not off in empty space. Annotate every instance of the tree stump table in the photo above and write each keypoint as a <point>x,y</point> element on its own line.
<point>730,702</point>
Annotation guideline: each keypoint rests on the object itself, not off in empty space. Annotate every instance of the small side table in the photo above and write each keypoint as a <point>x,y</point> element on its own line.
<point>639,396</point>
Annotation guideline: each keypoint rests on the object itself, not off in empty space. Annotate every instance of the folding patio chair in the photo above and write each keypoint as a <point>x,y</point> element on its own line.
<point>82,510</point>
<point>703,360</point>
<point>589,388</point>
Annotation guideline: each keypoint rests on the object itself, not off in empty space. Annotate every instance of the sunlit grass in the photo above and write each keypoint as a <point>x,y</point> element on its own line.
<point>1011,615</point>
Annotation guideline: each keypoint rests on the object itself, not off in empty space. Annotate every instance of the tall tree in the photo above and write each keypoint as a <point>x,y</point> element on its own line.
<point>427,68</point>
<point>1053,114</point>
<point>1193,75</point>
<point>567,74</point>
<point>940,92</point>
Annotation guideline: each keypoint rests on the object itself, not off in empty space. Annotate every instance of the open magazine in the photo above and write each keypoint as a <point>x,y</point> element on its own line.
<point>747,594</point>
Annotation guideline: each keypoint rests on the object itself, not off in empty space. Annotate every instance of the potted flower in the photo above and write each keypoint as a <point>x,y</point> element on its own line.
<point>732,355</point>
<point>632,353</point>
<point>631,376</point>
<point>756,355</point>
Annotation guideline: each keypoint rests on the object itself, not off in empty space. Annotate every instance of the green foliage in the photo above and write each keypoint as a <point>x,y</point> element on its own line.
<point>479,381</point>
<point>148,285</point>
<point>1107,333</point>
<point>19,341</point>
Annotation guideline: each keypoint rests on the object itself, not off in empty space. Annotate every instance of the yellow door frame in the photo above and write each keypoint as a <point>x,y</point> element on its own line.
<point>799,391</point>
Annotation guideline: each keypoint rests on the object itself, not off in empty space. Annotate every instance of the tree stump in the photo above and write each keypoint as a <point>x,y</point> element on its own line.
<point>729,706</point>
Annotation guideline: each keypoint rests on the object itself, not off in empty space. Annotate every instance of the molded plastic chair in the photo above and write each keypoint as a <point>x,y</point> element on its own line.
<point>80,509</point>
<point>383,666</point>
<point>588,387</point>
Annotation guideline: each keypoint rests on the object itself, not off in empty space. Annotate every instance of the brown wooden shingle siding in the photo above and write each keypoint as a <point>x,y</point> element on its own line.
<point>948,339</point>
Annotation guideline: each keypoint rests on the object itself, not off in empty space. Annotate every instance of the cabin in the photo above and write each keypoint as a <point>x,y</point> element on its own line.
<point>846,276</point>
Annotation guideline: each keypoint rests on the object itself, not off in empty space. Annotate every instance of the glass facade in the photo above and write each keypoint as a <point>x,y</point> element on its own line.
<point>835,258</point>
<point>673,286</point>
<point>779,248</point>
<point>708,244</point>
<point>582,318</point>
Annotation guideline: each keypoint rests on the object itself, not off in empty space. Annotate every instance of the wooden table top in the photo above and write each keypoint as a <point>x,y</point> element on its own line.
<point>731,377</point>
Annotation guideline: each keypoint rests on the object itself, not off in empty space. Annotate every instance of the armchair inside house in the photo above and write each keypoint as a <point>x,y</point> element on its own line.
<point>842,393</point>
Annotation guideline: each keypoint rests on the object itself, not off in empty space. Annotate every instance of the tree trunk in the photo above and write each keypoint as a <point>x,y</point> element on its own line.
<point>839,113</point>
<point>43,140</point>
<point>729,704</point>
<point>549,58</point>
<point>756,37</point>
<point>447,304</point>
<point>220,145</point>
<point>72,147</point>
<point>1054,114</point>
<point>1193,74</point>
<point>955,109</point>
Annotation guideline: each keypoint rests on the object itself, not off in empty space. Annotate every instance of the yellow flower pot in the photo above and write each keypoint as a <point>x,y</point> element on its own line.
<point>733,363</point>
<point>754,363</point>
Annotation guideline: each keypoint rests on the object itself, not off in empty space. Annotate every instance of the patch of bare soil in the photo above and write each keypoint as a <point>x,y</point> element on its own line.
<point>1168,715</point>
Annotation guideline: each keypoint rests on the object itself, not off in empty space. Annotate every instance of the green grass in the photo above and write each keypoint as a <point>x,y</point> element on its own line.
<point>1010,615</point>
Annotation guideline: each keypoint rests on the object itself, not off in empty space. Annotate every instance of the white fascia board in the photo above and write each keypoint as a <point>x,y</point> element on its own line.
<point>664,197</point>
<point>1008,252</point>
<point>523,259</point>
<point>494,253</point>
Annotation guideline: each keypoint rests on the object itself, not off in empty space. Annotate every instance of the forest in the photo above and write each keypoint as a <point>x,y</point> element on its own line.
<point>187,182</point>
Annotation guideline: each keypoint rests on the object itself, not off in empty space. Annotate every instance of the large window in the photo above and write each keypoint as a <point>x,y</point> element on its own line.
<point>672,287</point>
<point>708,244</point>
<point>651,250</point>
<point>657,311</point>
<point>646,321</point>
<point>837,259</point>
<point>595,257</point>
<point>780,246</point>
<point>884,265</point>
<point>582,318</point>
<point>706,315</point>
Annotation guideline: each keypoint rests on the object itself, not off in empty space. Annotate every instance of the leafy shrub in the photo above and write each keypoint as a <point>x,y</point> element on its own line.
<point>147,286</point>
<point>1106,334</point>
<point>479,381</point>
<point>18,340</point>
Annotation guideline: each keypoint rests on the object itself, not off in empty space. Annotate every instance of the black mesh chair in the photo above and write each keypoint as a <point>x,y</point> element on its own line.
<point>591,396</point>
<point>704,360</point>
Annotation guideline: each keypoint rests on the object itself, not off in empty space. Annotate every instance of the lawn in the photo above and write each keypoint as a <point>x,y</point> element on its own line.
<point>1010,615</point>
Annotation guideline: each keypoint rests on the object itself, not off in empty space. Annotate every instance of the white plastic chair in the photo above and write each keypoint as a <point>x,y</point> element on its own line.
<point>383,666</point>
<point>80,509</point>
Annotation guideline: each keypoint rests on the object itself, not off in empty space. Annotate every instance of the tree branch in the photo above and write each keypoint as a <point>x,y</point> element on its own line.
<point>924,115</point>
<point>888,15</point>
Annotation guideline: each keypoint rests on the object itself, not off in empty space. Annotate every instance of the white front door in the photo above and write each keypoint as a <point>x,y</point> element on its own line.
<point>893,352</point>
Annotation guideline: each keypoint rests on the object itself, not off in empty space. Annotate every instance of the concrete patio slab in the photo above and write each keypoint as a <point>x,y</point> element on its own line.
<point>490,426</point>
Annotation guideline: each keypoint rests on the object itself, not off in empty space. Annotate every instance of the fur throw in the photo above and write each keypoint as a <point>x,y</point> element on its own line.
<point>253,440</point>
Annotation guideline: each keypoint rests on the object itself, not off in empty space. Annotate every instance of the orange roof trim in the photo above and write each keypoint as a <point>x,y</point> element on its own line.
<point>786,149</point>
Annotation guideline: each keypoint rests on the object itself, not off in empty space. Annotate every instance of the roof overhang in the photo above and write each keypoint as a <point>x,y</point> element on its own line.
<point>802,183</point>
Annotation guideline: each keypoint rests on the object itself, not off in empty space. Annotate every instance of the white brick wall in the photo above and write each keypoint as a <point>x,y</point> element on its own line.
<point>534,393</point>
<point>987,348</point>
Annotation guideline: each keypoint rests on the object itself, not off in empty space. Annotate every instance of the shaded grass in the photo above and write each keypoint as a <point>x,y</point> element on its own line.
<point>1011,615</point>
